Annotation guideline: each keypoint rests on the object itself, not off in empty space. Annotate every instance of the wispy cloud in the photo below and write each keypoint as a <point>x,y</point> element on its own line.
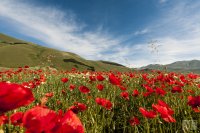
<point>142,32</point>
<point>55,28</point>
<point>177,31</point>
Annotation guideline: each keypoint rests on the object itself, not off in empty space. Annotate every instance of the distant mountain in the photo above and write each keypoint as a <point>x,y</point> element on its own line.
<point>182,66</point>
<point>153,66</point>
<point>193,64</point>
<point>15,53</point>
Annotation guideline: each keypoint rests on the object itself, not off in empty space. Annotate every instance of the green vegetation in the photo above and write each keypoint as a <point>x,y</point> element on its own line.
<point>132,95</point>
<point>179,66</point>
<point>15,53</point>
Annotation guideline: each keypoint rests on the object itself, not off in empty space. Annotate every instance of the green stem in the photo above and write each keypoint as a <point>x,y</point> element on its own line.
<point>148,131</point>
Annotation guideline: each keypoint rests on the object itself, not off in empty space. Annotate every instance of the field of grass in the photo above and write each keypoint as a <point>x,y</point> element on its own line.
<point>15,53</point>
<point>101,102</point>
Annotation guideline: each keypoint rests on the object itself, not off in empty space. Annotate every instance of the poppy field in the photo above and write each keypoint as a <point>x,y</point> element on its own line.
<point>51,101</point>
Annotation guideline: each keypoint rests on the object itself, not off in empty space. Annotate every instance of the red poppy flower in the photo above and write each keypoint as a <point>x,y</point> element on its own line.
<point>194,102</point>
<point>64,80</point>
<point>26,85</point>
<point>135,93</point>
<point>84,89</point>
<point>131,75</point>
<point>146,94</point>
<point>114,80</point>
<point>176,89</point>
<point>148,88</point>
<point>148,114</point>
<point>100,87</point>
<point>190,91</point>
<point>92,78</point>
<point>78,107</point>
<point>73,69</point>
<point>164,112</point>
<point>26,66</point>
<point>122,87</point>
<point>169,119</point>
<point>199,85</point>
<point>3,119</point>
<point>104,103</point>
<point>134,121</point>
<point>160,91</point>
<point>31,85</point>
<point>42,78</point>
<point>72,87</point>
<point>107,104</point>
<point>197,110</point>
<point>145,76</point>
<point>162,103</point>
<point>81,106</point>
<point>98,101</point>
<point>50,94</point>
<point>100,78</point>
<point>125,95</point>
<point>160,77</point>
<point>16,118</point>
<point>63,91</point>
<point>39,119</point>
<point>70,123</point>
<point>182,78</point>
<point>13,96</point>
<point>74,109</point>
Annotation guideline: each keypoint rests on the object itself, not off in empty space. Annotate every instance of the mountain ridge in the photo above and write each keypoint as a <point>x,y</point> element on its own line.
<point>185,65</point>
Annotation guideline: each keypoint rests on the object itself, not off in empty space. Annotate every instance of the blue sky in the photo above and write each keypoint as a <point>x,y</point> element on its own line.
<point>114,30</point>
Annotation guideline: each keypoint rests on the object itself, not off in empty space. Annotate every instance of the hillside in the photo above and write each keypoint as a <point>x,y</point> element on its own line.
<point>181,66</point>
<point>15,53</point>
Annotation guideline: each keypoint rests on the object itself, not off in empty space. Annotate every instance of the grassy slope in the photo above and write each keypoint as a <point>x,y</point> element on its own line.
<point>179,66</point>
<point>15,53</point>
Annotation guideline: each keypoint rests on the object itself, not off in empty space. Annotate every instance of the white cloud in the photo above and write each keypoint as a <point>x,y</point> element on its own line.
<point>142,32</point>
<point>177,32</point>
<point>55,28</point>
